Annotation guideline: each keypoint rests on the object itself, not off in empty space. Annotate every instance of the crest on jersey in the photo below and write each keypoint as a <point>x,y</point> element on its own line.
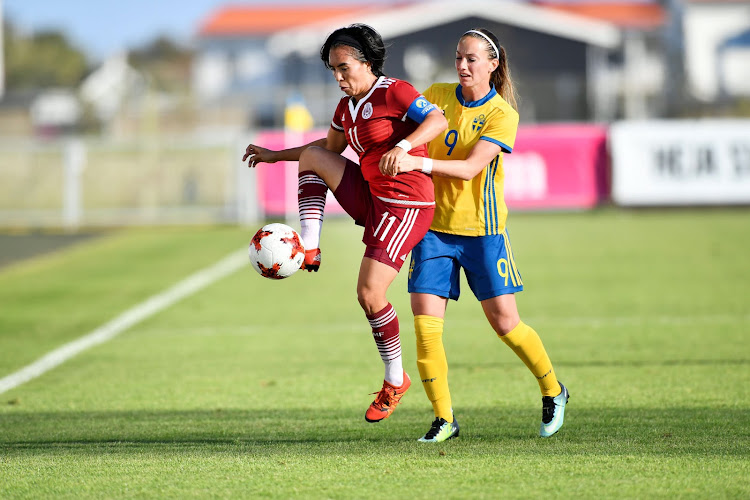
<point>367,110</point>
<point>478,123</point>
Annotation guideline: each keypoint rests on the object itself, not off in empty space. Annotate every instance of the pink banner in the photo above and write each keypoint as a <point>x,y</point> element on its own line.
<point>557,167</point>
<point>277,182</point>
<point>551,167</point>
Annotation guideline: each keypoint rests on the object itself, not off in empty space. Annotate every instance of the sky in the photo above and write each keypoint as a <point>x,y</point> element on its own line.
<point>101,28</point>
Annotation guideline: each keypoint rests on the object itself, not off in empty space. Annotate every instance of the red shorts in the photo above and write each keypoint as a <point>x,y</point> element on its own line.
<point>391,230</point>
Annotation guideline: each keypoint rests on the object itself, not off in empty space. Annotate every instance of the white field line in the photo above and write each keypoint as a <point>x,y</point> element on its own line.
<point>136,314</point>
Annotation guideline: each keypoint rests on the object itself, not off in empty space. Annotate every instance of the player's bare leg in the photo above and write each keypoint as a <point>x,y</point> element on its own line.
<point>319,171</point>
<point>374,279</point>
<point>502,313</point>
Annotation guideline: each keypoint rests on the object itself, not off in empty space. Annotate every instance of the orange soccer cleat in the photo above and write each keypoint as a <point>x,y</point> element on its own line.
<point>312,260</point>
<point>386,400</point>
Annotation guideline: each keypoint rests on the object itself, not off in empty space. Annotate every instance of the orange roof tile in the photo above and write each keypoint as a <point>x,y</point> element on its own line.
<point>622,14</point>
<point>262,20</point>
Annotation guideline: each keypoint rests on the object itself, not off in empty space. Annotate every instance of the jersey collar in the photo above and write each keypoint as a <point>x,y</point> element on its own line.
<point>353,110</point>
<point>475,104</point>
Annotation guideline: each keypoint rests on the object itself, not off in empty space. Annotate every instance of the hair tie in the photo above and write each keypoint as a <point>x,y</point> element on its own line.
<point>492,44</point>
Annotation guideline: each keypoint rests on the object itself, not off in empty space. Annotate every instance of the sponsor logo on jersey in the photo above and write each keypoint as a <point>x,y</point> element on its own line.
<point>367,111</point>
<point>478,123</point>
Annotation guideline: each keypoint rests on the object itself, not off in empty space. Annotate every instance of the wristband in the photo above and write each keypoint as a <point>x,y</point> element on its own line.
<point>426,165</point>
<point>404,144</point>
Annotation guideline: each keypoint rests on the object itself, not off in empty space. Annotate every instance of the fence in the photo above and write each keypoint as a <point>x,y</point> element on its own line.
<point>74,183</point>
<point>77,183</point>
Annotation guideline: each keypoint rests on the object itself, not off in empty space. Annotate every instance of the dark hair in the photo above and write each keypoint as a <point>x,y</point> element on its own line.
<point>500,78</point>
<point>366,43</point>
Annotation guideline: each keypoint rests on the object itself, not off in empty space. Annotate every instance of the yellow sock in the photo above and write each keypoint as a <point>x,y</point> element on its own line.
<point>433,365</point>
<point>527,345</point>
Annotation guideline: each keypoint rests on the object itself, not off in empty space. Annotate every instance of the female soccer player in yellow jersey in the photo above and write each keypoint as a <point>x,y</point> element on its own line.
<point>468,230</point>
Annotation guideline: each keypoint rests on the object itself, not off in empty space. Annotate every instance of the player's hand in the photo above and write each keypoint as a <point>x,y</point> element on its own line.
<point>389,162</point>
<point>409,163</point>
<point>256,154</point>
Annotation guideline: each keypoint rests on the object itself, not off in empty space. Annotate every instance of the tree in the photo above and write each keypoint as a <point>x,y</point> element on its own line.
<point>166,63</point>
<point>42,60</point>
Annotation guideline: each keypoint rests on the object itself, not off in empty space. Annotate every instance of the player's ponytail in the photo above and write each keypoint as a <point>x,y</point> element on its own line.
<point>367,45</point>
<point>501,77</point>
<point>502,80</point>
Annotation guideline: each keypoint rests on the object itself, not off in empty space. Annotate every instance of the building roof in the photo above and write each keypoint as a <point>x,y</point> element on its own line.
<point>638,15</point>
<point>261,20</point>
<point>400,20</point>
<point>715,2</point>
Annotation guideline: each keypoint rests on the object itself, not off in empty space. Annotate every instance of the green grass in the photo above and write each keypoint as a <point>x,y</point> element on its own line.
<point>257,389</point>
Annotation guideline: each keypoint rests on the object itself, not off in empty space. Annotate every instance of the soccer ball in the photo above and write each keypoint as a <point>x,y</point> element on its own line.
<point>276,251</point>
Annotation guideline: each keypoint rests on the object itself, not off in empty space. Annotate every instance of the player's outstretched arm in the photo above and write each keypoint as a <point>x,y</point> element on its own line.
<point>335,141</point>
<point>255,154</point>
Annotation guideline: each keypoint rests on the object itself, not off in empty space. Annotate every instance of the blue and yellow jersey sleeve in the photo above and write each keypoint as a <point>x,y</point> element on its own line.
<point>475,207</point>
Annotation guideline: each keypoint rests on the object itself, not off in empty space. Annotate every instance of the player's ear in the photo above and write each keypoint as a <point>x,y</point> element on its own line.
<point>494,63</point>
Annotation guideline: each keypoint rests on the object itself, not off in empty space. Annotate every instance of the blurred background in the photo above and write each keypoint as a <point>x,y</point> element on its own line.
<point>137,113</point>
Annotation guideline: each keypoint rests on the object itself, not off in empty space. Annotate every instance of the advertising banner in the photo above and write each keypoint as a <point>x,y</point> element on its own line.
<point>557,167</point>
<point>700,162</point>
<point>552,167</point>
<point>277,183</point>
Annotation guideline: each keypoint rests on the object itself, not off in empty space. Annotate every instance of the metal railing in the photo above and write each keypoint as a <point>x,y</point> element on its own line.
<point>74,182</point>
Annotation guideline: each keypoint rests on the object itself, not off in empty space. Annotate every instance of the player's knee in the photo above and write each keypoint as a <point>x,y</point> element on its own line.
<point>370,300</point>
<point>504,324</point>
<point>310,158</point>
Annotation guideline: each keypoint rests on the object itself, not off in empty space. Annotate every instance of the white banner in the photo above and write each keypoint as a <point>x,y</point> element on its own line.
<point>700,162</point>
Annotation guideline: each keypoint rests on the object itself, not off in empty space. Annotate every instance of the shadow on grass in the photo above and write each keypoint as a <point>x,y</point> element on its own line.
<point>17,247</point>
<point>611,432</point>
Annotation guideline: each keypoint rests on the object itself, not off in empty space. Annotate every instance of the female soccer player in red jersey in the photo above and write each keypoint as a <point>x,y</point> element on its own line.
<point>468,230</point>
<point>383,120</point>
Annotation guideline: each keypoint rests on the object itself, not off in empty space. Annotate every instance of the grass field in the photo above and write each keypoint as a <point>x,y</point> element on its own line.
<point>257,389</point>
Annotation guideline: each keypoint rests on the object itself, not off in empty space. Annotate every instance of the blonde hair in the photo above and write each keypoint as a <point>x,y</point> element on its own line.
<point>501,77</point>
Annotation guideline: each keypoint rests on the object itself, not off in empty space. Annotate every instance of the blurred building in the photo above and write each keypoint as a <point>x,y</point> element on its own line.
<point>55,111</point>
<point>717,48</point>
<point>233,65</point>
<point>590,61</point>
<point>109,86</point>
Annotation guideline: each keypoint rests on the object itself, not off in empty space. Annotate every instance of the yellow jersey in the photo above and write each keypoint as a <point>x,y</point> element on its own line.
<point>475,207</point>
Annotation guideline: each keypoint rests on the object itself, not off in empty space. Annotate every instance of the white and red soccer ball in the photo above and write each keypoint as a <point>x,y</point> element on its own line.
<point>276,251</point>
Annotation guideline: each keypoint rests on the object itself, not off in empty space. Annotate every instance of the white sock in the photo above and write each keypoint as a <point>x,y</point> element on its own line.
<point>310,230</point>
<point>394,372</point>
<point>312,201</point>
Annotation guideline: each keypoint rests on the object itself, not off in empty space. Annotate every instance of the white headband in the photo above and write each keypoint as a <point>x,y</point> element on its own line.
<point>492,44</point>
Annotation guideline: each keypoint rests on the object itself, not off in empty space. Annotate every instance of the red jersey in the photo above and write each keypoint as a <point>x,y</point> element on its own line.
<point>372,127</point>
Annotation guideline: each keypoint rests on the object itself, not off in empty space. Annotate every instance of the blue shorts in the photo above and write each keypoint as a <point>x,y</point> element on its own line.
<point>487,261</point>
